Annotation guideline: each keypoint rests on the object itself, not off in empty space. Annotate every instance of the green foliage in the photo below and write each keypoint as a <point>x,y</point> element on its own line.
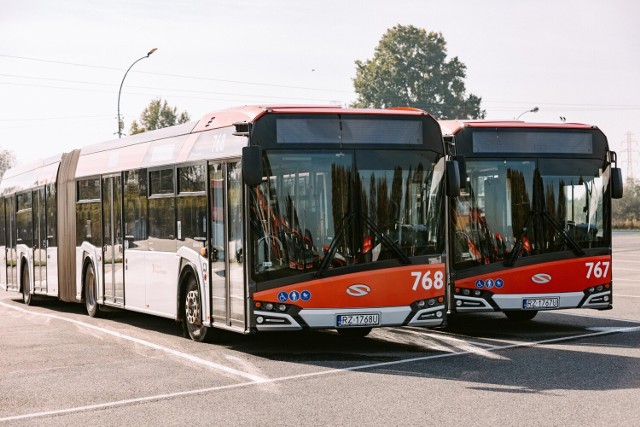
<point>7,160</point>
<point>157,115</point>
<point>410,68</point>
<point>626,211</point>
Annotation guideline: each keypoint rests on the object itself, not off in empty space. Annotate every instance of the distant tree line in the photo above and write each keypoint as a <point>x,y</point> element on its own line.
<point>626,211</point>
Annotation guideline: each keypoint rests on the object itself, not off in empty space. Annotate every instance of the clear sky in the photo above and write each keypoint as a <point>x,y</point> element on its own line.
<point>61,62</point>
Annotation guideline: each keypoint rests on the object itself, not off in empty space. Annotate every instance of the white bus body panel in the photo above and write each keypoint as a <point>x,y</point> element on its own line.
<point>135,280</point>
<point>162,282</point>
<point>52,271</point>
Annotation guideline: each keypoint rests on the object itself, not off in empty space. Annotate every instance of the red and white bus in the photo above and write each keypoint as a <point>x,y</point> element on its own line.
<point>531,229</point>
<point>250,219</point>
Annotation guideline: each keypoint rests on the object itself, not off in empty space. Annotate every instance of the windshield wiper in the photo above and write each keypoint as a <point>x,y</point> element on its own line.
<point>386,241</point>
<point>517,247</point>
<point>347,221</point>
<point>565,236</point>
<point>333,247</point>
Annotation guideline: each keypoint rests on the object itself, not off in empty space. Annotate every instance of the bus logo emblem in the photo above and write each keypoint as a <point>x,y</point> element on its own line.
<point>358,290</point>
<point>541,278</point>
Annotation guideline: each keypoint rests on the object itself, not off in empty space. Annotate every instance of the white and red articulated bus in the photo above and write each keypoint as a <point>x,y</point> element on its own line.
<point>249,219</point>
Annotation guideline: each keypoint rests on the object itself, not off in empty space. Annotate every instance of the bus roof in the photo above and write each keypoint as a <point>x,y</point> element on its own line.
<point>246,113</point>
<point>170,144</point>
<point>189,141</point>
<point>34,174</point>
<point>251,113</point>
<point>451,127</point>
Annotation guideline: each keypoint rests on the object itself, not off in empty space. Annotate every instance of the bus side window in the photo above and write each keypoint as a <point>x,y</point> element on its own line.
<point>162,213</point>
<point>192,206</point>
<point>135,209</point>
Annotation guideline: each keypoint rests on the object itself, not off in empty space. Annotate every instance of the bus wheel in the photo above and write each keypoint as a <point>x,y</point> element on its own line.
<point>27,298</point>
<point>90,297</point>
<point>192,319</point>
<point>520,316</point>
<point>354,332</point>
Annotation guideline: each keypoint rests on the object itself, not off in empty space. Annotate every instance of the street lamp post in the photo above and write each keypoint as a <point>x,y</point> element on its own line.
<point>120,123</point>
<point>533,110</point>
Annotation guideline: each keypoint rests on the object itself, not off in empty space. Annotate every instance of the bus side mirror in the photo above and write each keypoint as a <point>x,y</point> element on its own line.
<point>252,165</point>
<point>616,183</point>
<point>462,168</point>
<point>453,178</point>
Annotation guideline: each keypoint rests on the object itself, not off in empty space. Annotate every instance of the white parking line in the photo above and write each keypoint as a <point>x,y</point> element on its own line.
<point>626,296</point>
<point>167,396</point>
<point>189,357</point>
<point>579,314</point>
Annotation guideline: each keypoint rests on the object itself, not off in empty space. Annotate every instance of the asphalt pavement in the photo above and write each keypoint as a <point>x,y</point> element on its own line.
<point>59,367</point>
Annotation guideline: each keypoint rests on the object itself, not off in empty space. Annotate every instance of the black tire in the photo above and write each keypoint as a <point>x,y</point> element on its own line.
<point>192,312</point>
<point>520,316</point>
<point>353,333</point>
<point>27,297</point>
<point>90,292</point>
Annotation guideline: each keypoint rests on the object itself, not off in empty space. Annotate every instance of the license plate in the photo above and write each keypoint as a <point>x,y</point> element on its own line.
<point>539,303</point>
<point>349,320</point>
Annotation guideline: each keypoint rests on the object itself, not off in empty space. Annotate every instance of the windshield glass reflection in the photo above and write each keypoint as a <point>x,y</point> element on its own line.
<point>329,209</point>
<point>529,206</point>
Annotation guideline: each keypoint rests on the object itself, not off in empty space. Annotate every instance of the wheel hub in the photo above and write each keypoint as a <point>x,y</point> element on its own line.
<point>192,307</point>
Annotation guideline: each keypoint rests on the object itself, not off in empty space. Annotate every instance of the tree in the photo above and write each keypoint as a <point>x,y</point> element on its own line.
<point>7,160</point>
<point>409,68</point>
<point>157,115</point>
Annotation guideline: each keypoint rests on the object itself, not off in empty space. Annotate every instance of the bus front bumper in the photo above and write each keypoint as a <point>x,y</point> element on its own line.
<point>329,318</point>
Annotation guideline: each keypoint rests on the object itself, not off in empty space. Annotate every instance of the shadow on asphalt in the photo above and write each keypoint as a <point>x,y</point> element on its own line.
<point>462,351</point>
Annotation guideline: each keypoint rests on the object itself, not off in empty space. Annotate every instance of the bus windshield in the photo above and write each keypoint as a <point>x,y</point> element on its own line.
<point>530,206</point>
<point>324,209</point>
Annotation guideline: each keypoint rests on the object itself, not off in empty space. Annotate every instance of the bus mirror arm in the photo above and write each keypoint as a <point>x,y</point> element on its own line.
<point>252,165</point>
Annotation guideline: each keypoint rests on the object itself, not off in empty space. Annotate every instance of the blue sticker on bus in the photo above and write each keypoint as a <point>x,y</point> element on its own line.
<point>499,283</point>
<point>489,283</point>
<point>294,296</point>
<point>305,295</point>
<point>479,283</point>
<point>282,297</point>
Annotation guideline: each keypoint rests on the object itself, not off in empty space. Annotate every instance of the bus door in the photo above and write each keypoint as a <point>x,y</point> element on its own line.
<point>24,227</point>
<point>12,257</point>
<point>39,242</point>
<point>51,224</point>
<point>112,250</point>
<point>226,253</point>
